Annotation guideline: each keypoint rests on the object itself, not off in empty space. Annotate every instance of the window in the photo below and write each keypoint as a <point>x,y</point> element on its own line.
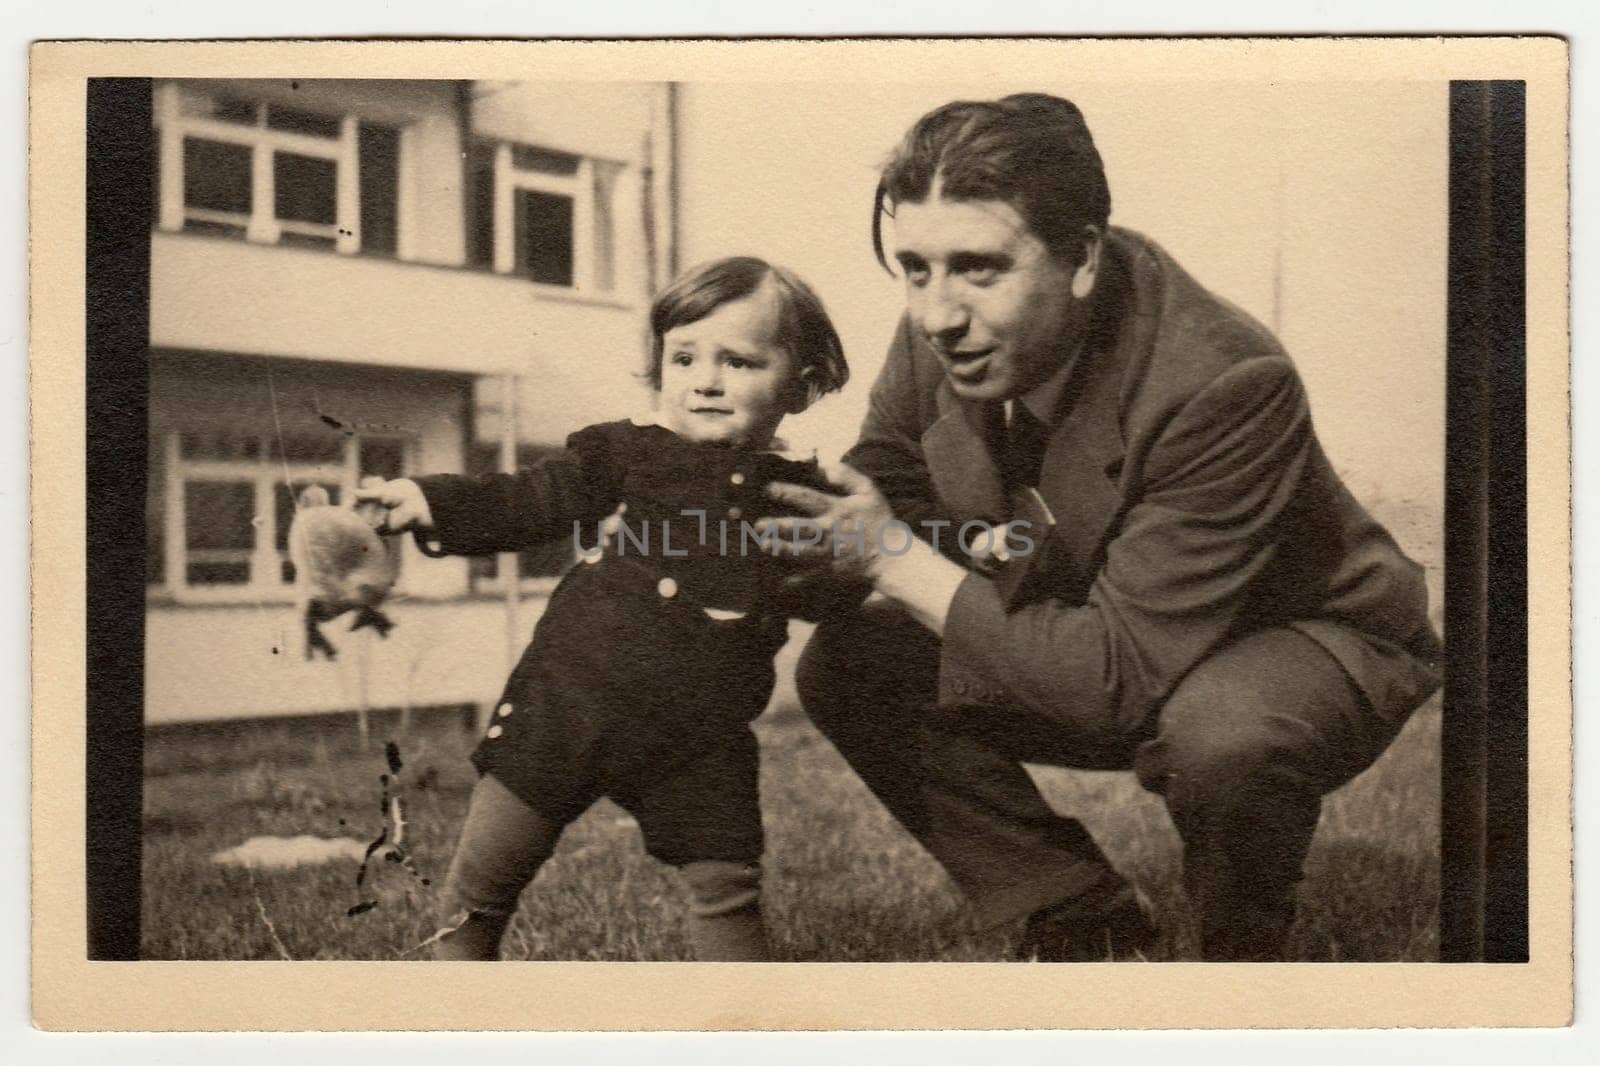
<point>227,499</point>
<point>537,564</point>
<point>542,231</point>
<point>541,214</point>
<point>273,174</point>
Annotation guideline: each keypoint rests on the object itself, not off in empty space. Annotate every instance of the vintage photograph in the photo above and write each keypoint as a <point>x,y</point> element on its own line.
<point>1223,654</point>
<point>996,519</point>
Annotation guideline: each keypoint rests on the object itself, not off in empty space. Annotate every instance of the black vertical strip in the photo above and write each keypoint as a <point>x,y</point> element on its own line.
<point>1483,859</point>
<point>1505,925</point>
<point>119,178</point>
<point>1461,854</point>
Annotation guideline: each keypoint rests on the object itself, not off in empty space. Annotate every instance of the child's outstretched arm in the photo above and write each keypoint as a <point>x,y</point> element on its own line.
<point>457,515</point>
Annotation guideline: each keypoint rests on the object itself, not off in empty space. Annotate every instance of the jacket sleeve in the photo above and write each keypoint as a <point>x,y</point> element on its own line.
<point>889,449</point>
<point>512,512</point>
<point>1178,577</point>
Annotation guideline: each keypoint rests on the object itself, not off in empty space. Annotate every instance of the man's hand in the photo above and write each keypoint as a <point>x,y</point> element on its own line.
<point>858,533</point>
<point>854,529</point>
<point>402,498</point>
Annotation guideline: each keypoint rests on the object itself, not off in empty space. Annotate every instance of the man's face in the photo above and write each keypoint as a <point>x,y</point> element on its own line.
<point>987,294</point>
<point>724,378</point>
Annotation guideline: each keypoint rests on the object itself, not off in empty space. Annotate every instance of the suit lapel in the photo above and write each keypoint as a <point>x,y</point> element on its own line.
<point>1081,477</point>
<point>957,452</point>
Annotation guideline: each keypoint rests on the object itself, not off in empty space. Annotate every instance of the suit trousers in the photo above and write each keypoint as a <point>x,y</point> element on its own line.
<point>1242,751</point>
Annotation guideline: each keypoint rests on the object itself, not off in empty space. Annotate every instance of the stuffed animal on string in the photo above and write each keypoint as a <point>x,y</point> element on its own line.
<point>340,564</point>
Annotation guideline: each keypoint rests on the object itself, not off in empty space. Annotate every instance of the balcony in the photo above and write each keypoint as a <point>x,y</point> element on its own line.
<point>225,295</point>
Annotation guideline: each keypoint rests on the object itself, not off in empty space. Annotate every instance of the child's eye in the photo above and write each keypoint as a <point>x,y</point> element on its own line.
<point>682,359</point>
<point>738,362</point>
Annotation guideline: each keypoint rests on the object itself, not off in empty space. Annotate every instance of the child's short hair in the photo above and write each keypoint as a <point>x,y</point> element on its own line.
<point>804,330</point>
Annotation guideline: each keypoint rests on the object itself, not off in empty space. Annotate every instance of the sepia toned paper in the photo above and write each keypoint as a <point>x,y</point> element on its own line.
<point>785,140</point>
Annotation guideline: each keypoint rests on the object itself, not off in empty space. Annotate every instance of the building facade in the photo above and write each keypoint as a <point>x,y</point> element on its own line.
<point>352,278</point>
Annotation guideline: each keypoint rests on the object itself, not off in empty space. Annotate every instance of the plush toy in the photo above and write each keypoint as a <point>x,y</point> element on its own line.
<point>340,564</point>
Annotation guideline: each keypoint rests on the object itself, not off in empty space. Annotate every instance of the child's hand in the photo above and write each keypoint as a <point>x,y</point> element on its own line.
<point>403,499</point>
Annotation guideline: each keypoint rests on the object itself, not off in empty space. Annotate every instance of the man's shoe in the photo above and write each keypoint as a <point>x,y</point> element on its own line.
<point>1097,926</point>
<point>1254,931</point>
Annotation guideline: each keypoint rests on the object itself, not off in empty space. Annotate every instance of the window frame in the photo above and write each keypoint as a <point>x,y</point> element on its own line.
<point>592,190</point>
<point>261,225</point>
<point>266,475</point>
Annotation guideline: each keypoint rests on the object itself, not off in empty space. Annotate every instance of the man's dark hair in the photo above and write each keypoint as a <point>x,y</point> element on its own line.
<point>1032,151</point>
<point>804,329</point>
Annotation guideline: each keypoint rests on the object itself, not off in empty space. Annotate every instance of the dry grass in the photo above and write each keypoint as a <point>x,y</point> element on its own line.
<point>843,882</point>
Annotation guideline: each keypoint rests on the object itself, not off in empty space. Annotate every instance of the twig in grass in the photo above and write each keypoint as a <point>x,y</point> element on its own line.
<point>456,921</point>
<point>389,845</point>
<point>272,930</point>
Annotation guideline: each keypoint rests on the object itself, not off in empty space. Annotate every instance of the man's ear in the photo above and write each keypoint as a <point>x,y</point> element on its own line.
<point>1088,272</point>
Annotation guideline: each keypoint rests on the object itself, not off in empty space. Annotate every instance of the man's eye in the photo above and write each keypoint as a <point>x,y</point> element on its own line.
<point>981,275</point>
<point>916,275</point>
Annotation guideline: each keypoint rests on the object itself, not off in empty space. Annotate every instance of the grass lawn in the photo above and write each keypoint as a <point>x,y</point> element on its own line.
<point>843,881</point>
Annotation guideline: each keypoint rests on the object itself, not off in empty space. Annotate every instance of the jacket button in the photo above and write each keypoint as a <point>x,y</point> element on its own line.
<point>667,587</point>
<point>735,514</point>
<point>494,732</point>
<point>504,710</point>
<point>736,478</point>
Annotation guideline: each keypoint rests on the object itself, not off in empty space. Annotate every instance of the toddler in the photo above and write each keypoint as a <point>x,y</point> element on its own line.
<point>655,651</point>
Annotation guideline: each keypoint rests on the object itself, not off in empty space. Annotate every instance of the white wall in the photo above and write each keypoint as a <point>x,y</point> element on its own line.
<point>217,294</point>
<point>605,119</point>
<point>1319,209</point>
<point>437,653</point>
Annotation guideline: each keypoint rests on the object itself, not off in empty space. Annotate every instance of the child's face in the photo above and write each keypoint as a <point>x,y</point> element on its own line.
<point>724,378</point>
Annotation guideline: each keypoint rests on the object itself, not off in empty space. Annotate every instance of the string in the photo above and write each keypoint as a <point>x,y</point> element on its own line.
<point>288,483</point>
<point>283,451</point>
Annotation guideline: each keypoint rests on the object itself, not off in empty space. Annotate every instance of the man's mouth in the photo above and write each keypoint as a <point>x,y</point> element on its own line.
<point>967,366</point>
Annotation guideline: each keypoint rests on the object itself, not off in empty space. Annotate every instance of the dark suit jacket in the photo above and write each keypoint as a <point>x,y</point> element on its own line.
<point>1193,504</point>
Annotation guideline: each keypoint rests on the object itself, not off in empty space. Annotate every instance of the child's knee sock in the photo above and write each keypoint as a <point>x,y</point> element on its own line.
<point>725,911</point>
<point>503,843</point>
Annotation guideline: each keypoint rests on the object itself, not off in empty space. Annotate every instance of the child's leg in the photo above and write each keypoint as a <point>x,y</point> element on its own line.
<point>503,843</point>
<point>725,911</point>
<point>705,819</point>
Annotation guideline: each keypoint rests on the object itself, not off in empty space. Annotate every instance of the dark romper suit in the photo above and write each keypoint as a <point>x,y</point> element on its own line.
<point>629,689</point>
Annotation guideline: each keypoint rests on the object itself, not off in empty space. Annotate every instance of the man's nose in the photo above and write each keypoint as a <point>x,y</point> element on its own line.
<point>944,316</point>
